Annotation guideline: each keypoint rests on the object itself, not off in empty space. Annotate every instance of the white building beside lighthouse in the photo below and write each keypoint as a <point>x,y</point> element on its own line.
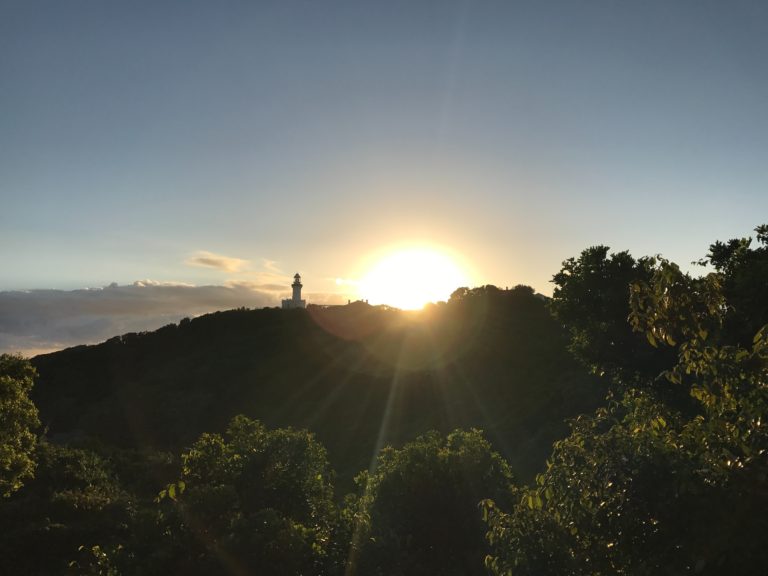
<point>296,301</point>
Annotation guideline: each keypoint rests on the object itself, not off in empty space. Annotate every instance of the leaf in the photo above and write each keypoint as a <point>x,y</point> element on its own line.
<point>670,340</point>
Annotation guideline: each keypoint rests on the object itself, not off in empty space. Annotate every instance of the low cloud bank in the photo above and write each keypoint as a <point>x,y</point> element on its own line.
<point>38,321</point>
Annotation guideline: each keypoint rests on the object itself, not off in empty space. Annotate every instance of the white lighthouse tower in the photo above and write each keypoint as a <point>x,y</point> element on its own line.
<point>296,301</point>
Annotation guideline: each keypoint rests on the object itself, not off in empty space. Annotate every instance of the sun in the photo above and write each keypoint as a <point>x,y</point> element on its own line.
<point>410,278</point>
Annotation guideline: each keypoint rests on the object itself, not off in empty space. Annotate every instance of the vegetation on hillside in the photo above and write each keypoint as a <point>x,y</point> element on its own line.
<point>648,484</point>
<point>228,444</point>
<point>358,376</point>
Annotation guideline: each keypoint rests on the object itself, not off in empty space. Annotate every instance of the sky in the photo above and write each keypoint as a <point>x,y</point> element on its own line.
<point>164,159</point>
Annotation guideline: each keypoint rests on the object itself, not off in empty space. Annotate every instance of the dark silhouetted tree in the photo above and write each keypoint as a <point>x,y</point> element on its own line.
<point>642,488</point>
<point>591,300</point>
<point>73,500</point>
<point>418,513</point>
<point>744,273</point>
<point>252,501</point>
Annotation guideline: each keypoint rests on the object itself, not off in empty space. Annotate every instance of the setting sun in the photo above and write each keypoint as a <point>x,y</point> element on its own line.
<point>410,278</point>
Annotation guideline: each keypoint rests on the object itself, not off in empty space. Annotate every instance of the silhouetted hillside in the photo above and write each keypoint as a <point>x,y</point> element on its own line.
<point>357,376</point>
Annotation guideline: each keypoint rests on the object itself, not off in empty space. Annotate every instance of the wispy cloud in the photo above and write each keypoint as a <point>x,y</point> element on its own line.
<point>210,260</point>
<point>271,266</point>
<point>37,321</point>
<point>270,278</point>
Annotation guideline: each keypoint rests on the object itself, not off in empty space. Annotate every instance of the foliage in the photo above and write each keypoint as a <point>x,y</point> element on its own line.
<point>641,487</point>
<point>667,477</point>
<point>254,500</point>
<point>591,300</point>
<point>492,359</point>
<point>417,512</point>
<point>18,419</point>
<point>77,479</point>
<point>74,499</point>
<point>94,561</point>
<point>729,381</point>
<point>744,275</point>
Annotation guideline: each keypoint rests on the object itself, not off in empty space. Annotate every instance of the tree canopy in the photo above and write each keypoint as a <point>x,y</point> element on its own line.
<point>417,511</point>
<point>18,420</point>
<point>642,486</point>
<point>253,500</point>
<point>591,300</point>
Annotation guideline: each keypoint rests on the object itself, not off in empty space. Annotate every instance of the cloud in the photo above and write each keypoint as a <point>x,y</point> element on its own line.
<point>259,285</point>
<point>269,279</point>
<point>37,321</point>
<point>271,266</point>
<point>210,260</point>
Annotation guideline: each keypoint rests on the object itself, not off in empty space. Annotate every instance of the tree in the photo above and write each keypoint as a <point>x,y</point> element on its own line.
<point>417,512</point>
<point>254,500</point>
<point>74,499</point>
<point>640,487</point>
<point>591,300</point>
<point>744,276</point>
<point>18,419</point>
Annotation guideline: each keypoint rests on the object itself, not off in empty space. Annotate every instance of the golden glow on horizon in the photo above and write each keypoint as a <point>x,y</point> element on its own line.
<point>410,278</point>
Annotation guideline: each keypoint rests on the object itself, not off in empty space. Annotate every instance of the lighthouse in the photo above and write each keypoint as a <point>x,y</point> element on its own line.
<point>296,301</point>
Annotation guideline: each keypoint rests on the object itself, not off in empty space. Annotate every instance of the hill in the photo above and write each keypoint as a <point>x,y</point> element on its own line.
<point>358,376</point>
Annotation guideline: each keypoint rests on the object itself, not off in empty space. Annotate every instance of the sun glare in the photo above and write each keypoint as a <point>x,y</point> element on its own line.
<point>409,279</point>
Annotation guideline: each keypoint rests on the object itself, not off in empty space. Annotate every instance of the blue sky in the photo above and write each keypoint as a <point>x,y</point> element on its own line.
<point>136,136</point>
